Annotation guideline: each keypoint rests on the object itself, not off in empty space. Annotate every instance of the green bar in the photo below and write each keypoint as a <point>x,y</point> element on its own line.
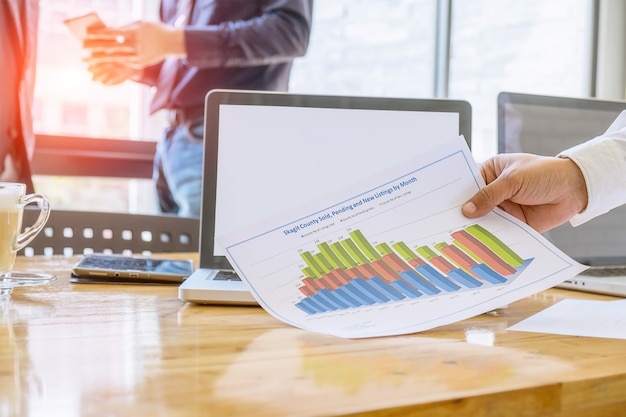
<point>364,245</point>
<point>354,251</point>
<point>308,272</point>
<point>342,254</point>
<point>438,246</point>
<point>495,244</point>
<point>324,262</point>
<point>330,255</point>
<point>316,269</point>
<point>384,248</point>
<point>426,252</point>
<point>404,251</point>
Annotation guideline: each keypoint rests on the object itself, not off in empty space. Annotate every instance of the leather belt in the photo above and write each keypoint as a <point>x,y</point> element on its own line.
<point>179,117</point>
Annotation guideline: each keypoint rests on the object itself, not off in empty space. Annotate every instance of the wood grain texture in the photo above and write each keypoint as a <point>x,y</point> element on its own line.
<point>127,350</point>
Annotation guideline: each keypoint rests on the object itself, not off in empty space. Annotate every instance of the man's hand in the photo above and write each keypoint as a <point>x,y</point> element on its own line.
<point>113,73</point>
<point>544,192</point>
<point>137,45</point>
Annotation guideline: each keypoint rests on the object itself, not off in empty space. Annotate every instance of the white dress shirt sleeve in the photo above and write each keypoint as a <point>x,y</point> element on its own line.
<point>602,161</point>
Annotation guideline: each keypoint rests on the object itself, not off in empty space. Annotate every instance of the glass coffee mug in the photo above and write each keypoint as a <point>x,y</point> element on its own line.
<point>13,199</point>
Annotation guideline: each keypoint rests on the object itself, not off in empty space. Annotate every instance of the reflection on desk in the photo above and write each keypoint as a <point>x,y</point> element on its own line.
<point>93,350</point>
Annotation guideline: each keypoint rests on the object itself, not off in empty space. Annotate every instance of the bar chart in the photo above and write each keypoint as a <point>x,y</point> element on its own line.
<point>352,272</point>
<point>394,254</point>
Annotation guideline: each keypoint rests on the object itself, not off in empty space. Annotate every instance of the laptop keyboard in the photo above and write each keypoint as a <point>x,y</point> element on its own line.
<point>227,276</point>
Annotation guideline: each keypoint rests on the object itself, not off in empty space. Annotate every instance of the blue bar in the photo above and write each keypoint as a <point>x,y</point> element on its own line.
<point>465,278</point>
<point>360,295</point>
<point>327,295</point>
<point>406,288</point>
<point>413,278</point>
<point>344,295</point>
<point>371,291</point>
<point>313,305</point>
<point>327,305</point>
<point>386,289</point>
<point>306,307</point>
<point>356,295</point>
<point>488,274</point>
<point>435,277</point>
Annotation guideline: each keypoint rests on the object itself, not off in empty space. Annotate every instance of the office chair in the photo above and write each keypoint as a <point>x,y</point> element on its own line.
<point>69,232</point>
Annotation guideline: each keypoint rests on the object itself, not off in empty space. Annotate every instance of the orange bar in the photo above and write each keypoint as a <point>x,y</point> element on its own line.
<point>415,262</point>
<point>489,257</point>
<point>327,282</point>
<point>395,262</point>
<point>354,272</point>
<point>385,271</point>
<point>306,290</point>
<point>463,260</point>
<point>442,264</point>
<point>367,270</point>
<point>312,283</point>
<point>342,276</point>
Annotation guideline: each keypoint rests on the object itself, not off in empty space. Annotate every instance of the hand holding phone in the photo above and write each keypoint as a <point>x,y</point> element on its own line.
<point>78,25</point>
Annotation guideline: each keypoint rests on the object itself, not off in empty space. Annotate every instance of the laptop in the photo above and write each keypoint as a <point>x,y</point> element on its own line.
<point>267,152</point>
<point>546,125</point>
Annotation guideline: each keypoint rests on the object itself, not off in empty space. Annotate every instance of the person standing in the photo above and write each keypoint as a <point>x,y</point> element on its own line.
<point>199,46</point>
<point>18,41</point>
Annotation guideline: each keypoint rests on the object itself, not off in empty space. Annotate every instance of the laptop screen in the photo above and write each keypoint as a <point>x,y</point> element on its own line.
<point>546,125</point>
<point>266,153</point>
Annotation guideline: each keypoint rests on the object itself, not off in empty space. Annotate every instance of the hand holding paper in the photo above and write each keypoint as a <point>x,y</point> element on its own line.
<point>393,254</point>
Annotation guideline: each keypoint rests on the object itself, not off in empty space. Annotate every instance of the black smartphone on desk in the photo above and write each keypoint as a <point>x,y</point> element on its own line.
<point>103,268</point>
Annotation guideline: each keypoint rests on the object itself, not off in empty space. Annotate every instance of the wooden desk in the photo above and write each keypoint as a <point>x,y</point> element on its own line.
<point>112,350</point>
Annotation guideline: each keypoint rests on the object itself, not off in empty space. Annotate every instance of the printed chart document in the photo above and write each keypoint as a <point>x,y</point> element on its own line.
<point>393,254</point>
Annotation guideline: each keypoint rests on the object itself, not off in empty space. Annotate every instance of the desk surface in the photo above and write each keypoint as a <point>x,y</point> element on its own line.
<point>125,350</point>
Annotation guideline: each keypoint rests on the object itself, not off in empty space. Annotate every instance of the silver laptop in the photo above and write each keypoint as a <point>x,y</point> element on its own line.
<point>268,152</point>
<point>546,125</point>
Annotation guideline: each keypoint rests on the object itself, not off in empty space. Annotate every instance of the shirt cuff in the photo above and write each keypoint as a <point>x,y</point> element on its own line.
<point>205,46</point>
<point>602,161</point>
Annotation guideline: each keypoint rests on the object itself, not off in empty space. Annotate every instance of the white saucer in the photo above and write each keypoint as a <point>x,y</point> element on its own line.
<point>23,279</point>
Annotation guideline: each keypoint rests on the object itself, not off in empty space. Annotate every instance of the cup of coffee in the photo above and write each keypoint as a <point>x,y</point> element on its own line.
<point>13,199</point>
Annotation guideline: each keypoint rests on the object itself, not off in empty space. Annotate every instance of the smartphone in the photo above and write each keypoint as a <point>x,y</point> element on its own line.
<point>94,268</point>
<point>78,25</point>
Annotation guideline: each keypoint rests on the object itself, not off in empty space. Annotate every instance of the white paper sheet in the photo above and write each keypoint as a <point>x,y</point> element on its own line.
<point>393,254</point>
<point>593,318</point>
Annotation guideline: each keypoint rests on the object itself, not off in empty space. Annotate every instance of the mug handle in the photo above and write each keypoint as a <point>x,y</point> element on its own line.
<point>29,234</point>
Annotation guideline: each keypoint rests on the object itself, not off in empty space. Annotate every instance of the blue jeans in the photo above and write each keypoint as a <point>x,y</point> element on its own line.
<point>178,169</point>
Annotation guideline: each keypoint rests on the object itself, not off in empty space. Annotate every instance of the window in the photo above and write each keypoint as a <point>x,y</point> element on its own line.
<point>358,47</point>
<point>530,46</point>
<point>73,115</point>
<point>64,86</point>
<point>69,103</point>
<point>369,47</point>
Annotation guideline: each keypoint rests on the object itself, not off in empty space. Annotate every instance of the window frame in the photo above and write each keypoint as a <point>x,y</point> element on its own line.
<point>91,157</point>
